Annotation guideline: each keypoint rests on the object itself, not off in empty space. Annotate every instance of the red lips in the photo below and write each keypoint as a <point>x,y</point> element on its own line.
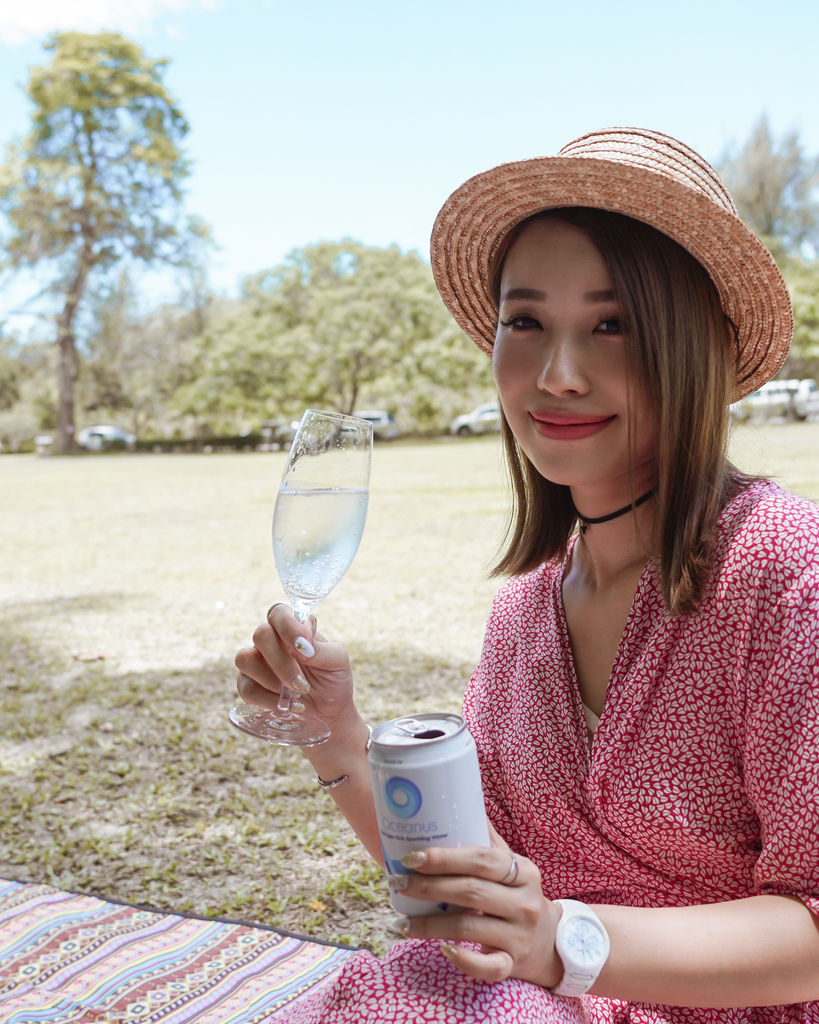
<point>566,426</point>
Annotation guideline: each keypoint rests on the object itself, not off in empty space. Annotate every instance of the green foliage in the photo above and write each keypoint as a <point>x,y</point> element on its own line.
<point>27,384</point>
<point>774,185</point>
<point>96,181</point>
<point>338,325</point>
<point>10,374</point>
<point>132,364</point>
<point>803,282</point>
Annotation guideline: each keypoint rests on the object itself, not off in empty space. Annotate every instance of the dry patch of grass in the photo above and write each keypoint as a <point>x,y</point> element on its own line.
<point>130,582</point>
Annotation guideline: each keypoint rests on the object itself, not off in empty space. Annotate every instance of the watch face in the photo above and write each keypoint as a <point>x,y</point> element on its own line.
<point>584,941</point>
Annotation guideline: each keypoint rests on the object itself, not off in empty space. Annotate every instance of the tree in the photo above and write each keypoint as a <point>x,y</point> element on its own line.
<point>134,362</point>
<point>27,391</point>
<point>802,277</point>
<point>339,325</point>
<point>10,373</point>
<point>774,186</point>
<point>96,182</point>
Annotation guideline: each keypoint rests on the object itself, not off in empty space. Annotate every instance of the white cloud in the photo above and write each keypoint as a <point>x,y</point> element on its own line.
<point>34,19</point>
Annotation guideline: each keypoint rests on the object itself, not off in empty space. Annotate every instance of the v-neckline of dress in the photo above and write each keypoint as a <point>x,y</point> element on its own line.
<point>588,736</point>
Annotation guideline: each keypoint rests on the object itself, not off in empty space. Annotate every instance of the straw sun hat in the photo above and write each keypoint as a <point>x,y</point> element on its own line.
<point>645,175</point>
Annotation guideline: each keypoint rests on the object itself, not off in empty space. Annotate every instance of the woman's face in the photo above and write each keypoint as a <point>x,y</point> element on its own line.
<point>560,368</point>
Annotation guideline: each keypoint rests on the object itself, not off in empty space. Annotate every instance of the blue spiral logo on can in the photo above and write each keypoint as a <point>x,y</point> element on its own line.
<point>403,797</point>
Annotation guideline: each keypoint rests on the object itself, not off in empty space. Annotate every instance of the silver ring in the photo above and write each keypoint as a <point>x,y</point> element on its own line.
<point>511,875</point>
<point>270,609</point>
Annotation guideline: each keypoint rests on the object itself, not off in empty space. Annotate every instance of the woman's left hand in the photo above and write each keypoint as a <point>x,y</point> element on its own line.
<point>504,911</point>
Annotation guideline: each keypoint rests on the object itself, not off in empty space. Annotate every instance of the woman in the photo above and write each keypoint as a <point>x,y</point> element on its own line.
<point>646,708</point>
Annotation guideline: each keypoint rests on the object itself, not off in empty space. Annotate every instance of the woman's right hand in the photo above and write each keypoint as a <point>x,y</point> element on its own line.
<point>290,653</point>
<point>286,651</point>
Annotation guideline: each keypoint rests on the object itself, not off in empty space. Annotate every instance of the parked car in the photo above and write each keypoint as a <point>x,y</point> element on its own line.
<point>806,399</point>
<point>792,399</point>
<point>278,434</point>
<point>104,436</point>
<point>483,420</point>
<point>384,426</point>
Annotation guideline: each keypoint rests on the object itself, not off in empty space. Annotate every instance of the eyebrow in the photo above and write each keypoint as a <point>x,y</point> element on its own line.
<point>605,295</point>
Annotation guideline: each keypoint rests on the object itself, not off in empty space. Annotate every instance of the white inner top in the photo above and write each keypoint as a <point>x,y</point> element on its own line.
<point>592,721</point>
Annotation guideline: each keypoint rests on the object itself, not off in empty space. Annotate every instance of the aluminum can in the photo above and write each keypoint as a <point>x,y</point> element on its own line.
<point>427,792</point>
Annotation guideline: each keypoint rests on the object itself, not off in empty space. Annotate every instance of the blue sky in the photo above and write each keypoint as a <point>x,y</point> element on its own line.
<point>319,120</point>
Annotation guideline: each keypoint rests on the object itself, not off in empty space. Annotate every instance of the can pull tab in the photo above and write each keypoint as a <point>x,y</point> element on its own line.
<point>418,730</point>
<point>411,726</point>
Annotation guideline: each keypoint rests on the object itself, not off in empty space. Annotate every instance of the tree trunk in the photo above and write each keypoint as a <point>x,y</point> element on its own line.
<point>66,378</point>
<point>67,362</point>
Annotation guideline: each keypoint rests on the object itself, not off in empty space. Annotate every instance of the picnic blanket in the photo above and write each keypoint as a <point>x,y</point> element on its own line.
<point>66,958</point>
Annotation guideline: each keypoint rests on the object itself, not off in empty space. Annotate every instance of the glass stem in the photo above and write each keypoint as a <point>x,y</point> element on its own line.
<point>283,706</point>
<point>286,695</point>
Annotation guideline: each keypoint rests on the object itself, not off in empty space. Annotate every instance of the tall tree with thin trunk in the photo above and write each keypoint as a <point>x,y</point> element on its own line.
<point>775,185</point>
<point>96,182</point>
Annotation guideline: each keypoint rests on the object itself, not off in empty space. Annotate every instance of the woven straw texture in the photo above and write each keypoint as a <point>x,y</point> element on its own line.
<point>645,175</point>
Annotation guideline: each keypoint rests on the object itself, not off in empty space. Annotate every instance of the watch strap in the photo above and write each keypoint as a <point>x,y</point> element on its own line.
<point>576,979</point>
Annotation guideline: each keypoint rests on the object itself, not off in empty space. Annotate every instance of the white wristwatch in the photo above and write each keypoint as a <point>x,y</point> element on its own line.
<point>582,943</point>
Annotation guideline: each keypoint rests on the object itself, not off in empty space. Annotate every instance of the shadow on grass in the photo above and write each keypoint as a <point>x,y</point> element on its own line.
<point>134,786</point>
<point>62,603</point>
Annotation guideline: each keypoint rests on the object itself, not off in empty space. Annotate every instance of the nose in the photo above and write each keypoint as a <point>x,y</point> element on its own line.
<point>562,371</point>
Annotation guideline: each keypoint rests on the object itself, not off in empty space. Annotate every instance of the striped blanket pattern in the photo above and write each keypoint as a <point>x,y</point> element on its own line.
<point>73,959</point>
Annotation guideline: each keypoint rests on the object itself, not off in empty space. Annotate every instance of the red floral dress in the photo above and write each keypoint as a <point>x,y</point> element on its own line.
<point>702,784</point>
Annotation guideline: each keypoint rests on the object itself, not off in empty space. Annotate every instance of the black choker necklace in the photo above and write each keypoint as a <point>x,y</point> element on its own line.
<point>585,522</point>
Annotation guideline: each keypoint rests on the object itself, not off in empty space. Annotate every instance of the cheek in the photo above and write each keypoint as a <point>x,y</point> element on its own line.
<point>497,356</point>
<point>646,425</point>
<point>510,367</point>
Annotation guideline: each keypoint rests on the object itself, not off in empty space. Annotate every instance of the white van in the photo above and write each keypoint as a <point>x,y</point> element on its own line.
<point>790,399</point>
<point>384,426</point>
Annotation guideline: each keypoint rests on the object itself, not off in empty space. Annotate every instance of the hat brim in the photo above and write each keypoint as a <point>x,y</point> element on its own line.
<point>473,222</point>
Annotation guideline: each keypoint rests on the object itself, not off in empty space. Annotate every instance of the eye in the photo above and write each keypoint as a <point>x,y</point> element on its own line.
<point>611,325</point>
<point>520,322</point>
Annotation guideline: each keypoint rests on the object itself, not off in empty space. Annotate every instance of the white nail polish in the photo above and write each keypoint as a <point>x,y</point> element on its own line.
<point>303,646</point>
<point>398,882</point>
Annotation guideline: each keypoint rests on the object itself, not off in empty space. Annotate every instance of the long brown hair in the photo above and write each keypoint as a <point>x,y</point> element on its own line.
<point>679,348</point>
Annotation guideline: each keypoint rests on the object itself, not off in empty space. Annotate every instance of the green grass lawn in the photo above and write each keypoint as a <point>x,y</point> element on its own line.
<point>130,581</point>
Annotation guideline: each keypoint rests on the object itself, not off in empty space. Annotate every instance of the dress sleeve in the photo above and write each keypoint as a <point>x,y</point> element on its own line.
<point>781,735</point>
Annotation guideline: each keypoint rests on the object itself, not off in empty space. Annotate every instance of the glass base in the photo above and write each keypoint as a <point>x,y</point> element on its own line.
<point>296,730</point>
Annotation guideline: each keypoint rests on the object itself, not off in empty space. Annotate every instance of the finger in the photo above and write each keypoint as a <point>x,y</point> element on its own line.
<point>490,863</point>
<point>279,651</point>
<point>288,629</point>
<point>478,895</point>
<point>491,965</point>
<point>252,693</point>
<point>250,663</point>
<point>490,933</point>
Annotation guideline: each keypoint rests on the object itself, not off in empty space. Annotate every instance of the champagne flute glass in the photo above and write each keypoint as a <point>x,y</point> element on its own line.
<point>317,525</point>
